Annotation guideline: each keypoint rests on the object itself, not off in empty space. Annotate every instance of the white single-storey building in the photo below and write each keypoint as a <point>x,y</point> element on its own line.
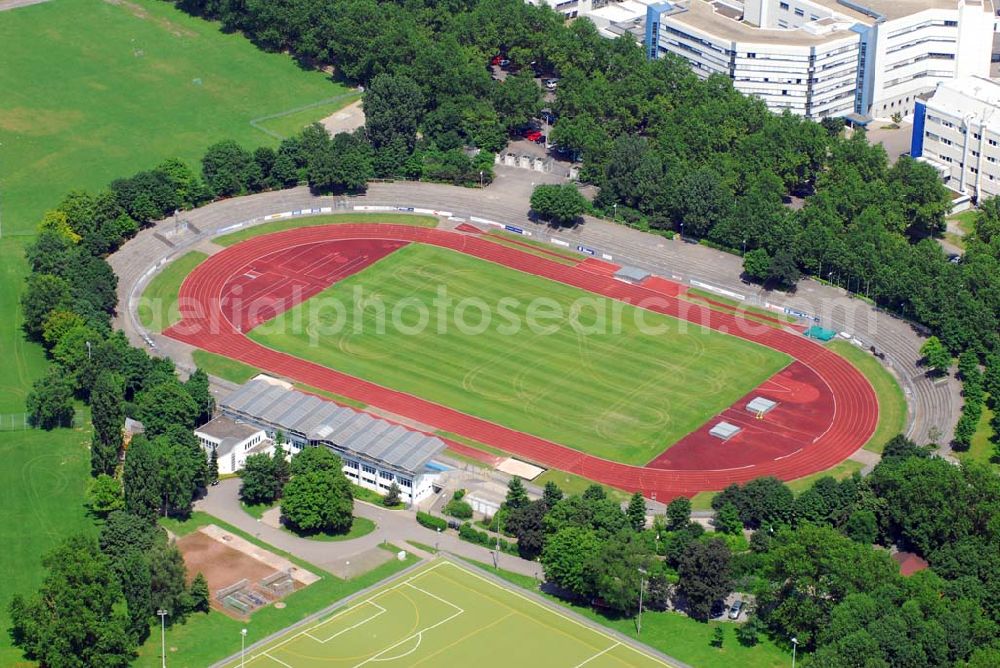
<point>233,442</point>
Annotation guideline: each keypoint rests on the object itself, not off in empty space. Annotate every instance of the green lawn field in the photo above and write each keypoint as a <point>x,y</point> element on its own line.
<point>625,395</point>
<point>42,483</point>
<point>891,402</point>
<point>157,309</point>
<point>98,90</point>
<point>446,615</point>
<point>418,220</point>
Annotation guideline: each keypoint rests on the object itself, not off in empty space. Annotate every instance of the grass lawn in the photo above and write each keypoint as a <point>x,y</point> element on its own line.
<point>982,449</point>
<point>891,402</point>
<point>157,309</point>
<point>205,639</point>
<point>841,471</point>
<point>571,484</point>
<point>238,372</point>
<point>561,251</point>
<point>446,614</point>
<point>371,496</point>
<point>98,90</point>
<point>43,479</point>
<point>287,123</point>
<point>330,219</point>
<point>625,395</point>
<point>702,500</point>
<point>361,526</point>
<point>672,633</point>
<point>23,362</point>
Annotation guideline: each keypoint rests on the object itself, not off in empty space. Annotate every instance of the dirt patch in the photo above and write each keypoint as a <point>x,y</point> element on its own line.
<point>347,119</point>
<point>223,564</point>
<point>38,122</point>
<point>14,4</point>
<point>140,12</point>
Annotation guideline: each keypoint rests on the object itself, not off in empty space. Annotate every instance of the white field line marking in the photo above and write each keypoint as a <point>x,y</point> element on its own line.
<point>277,660</point>
<point>305,632</point>
<point>421,632</point>
<point>420,640</point>
<point>381,611</point>
<point>601,653</point>
<point>556,613</point>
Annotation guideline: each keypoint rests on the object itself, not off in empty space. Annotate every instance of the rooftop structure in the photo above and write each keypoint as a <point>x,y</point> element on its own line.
<point>632,274</point>
<point>724,430</point>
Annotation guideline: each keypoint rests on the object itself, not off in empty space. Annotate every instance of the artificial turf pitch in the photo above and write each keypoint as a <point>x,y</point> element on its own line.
<point>618,392</point>
<point>445,615</point>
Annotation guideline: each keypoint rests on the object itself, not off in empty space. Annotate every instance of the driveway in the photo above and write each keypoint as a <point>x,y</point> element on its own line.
<point>392,526</point>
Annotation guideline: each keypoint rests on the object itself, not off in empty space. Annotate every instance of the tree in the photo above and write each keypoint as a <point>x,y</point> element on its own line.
<point>551,494</point>
<point>567,559</point>
<point>105,495</point>
<point>198,595</point>
<point>181,467</point>
<point>935,355</point>
<point>619,570</point>
<point>318,501</point>
<point>527,523</point>
<point>259,482</point>
<point>704,579</point>
<point>560,204</point>
<point>636,512</point>
<point>123,533</point>
<point>50,402</point>
<point>757,265</point>
<point>392,496</point>
<point>517,496</point>
<point>678,513</point>
<point>862,527</point>
<point>718,637</point>
<point>107,410</point>
<point>227,168</point>
<point>783,269</point>
<point>212,472</point>
<point>168,577</point>
<point>75,619</point>
<point>166,405</point>
<point>727,520</point>
<point>197,388</point>
<point>57,324</point>
<point>316,458</point>
<point>394,107</point>
<point>141,478</point>
<point>134,578</point>
<point>517,99</point>
<point>345,164</point>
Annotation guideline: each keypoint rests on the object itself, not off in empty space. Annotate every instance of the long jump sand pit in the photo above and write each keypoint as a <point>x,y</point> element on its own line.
<point>224,559</point>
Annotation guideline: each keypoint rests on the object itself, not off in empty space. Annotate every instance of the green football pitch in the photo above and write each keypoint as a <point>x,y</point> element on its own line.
<point>625,390</point>
<point>445,615</point>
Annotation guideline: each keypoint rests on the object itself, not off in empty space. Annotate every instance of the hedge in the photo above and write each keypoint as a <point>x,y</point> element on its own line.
<point>431,522</point>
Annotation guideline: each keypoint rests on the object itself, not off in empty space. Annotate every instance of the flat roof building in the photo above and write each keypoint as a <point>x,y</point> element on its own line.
<point>375,452</point>
<point>956,129</point>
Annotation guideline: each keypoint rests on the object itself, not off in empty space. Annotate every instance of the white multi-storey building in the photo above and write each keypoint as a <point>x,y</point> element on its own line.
<point>957,130</point>
<point>822,58</point>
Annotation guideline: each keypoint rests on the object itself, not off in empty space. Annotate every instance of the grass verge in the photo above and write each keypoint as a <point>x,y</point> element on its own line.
<point>530,248</point>
<point>205,639</point>
<point>361,526</point>
<point>329,219</point>
<point>982,449</point>
<point>844,469</point>
<point>571,484</point>
<point>891,402</point>
<point>157,309</point>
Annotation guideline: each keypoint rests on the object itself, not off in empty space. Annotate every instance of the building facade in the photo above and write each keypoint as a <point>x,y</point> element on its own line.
<point>957,130</point>
<point>232,442</point>
<point>820,58</point>
<point>375,453</point>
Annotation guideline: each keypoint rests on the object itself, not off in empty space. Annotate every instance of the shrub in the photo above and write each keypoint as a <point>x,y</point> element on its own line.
<point>431,522</point>
<point>458,508</point>
<point>469,533</point>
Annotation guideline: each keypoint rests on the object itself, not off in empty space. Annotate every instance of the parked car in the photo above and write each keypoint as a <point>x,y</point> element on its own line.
<point>551,84</point>
<point>504,62</point>
<point>736,609</point>
<point>495,60</point>
<point>533,135</point>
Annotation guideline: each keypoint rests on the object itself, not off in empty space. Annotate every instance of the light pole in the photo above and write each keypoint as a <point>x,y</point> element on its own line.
<point>480,178</point>
<point>616,211</point>
<point>89,355</point>
<point>744,248</point>
<point>436,546</point>
<point>347,570</point>
<point>243,647</point>
<point>795,646</point>
<point>682,230</point>
<point>642,585</point>
<point>163,635</point>
<point>496,560</point>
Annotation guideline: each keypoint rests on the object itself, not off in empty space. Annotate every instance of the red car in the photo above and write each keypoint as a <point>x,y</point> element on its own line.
<point>495,61</point>
<point>532,135</point>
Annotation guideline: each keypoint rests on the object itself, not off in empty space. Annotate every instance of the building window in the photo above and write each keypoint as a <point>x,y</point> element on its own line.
<point>951,24</point>
<point>405,482</point>
<point>799,12</point>
<point>993,142</point>
<point>784,6</point>
<point>352,464</point>
<point>385,474</point>
<point>975,154</point>
<point>976,135</point>
<point>751,55</point>
<point>368,469</point>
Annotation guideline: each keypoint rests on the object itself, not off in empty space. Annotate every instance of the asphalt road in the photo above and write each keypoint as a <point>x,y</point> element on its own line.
<point>932,406</point>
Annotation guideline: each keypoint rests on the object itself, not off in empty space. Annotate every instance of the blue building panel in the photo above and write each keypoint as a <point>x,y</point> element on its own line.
<point>917,138</point>
<point>652,40</point>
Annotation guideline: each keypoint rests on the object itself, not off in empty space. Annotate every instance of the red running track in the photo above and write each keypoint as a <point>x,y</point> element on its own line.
<point>852,399</point>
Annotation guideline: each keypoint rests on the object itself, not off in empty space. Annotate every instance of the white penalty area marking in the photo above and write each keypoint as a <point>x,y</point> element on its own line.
<point>599,654</point>
<point>380,611</point>
<point>277,660</point>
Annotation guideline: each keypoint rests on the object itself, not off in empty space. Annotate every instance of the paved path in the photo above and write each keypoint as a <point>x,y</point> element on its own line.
<point>933,407</point>
<point>394,526</point>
